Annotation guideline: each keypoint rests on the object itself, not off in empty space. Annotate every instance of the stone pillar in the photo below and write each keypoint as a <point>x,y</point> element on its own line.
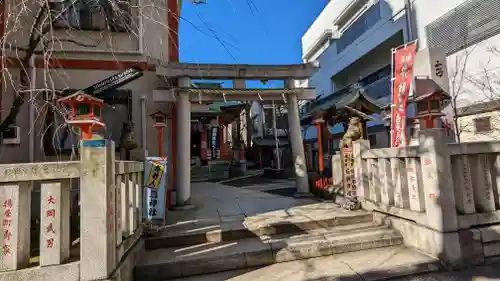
<point>362,188</point>
<point>183,165</point>
<point>170,167</point>
<point>337,171</point>
<point>299,159</point>
<point>98,205</point>
<point>55,201</point>
<point>15,216</point>
<point>438,187</point>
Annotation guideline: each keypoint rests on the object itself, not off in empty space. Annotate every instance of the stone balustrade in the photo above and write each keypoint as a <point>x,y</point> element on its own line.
<point>444,198</point>
<point>110,217</point>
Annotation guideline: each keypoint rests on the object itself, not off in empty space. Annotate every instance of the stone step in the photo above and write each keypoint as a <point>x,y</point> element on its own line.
<point>210,257</point>
<point>202,232</point>
<point>374,264</point>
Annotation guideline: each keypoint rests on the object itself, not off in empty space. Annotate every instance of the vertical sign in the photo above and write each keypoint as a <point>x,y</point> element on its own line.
<point>348,174</point>
<point>214,142</point>
<point>402,60</point>
<point>155,180</point>
<point>7,227</point>
<point>50,216</point>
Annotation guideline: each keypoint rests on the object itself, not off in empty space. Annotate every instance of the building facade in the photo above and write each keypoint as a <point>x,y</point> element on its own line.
<point>471,29</point>
<point>352,40</point>
<point>82,45</point>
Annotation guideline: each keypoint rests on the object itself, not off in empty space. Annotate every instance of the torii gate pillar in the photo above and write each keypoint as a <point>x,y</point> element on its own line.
<point>300,167</point>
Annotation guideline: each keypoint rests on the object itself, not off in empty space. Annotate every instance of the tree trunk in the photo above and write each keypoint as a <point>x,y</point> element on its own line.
<point>38,29</point>
<point>19,99</point>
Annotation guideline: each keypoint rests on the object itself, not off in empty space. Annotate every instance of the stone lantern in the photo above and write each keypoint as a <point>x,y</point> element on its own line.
<point>85,113</point>
<point>429,108</point>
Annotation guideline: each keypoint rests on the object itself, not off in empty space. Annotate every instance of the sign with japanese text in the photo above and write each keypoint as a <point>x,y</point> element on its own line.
<point>155,174</point>
<point>156,184</point>
<point>348,173</point>
<point>214,142</point>
<point>50,215</point>
<point>403,58</point>
<point>7,227</point>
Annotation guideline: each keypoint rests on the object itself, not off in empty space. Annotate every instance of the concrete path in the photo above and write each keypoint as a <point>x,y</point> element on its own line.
<point>215,201</point>
<point>222,209</point>
<point>320,269</point>
<point>369,265</point>
<point>234,228</point>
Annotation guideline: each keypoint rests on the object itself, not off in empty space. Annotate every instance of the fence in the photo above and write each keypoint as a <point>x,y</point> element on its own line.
<point>444,188</point>
<point>110,215</point>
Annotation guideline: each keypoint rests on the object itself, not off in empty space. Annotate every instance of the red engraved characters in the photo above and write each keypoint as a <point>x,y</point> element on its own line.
<point>7,227</point>
<point>50,229</point>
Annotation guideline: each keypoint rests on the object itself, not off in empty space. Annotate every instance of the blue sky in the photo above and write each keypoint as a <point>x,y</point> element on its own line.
<point>246,31</point>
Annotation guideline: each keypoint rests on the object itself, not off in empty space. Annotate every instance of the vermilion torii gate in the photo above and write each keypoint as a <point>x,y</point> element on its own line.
<point>175,89</point>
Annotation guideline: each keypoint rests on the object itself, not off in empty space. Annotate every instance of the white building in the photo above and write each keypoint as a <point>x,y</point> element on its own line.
<point>352,40</point>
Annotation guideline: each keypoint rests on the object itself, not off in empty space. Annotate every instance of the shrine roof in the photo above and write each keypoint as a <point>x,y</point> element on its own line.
<point>345,99</point>
<point>85,97</point>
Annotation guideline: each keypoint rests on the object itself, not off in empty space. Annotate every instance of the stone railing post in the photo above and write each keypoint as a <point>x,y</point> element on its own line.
<point>337,170</point>
<point>439,193</point>
<point>361,170</point>
<point>55,201</point>
<point>16,201</point>
<point>97,229</point>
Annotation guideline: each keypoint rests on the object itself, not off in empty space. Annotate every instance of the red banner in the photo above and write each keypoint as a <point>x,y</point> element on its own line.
<point>402,60</point>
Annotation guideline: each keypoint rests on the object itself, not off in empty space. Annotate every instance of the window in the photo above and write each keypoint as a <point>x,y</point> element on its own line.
<point>111,15</point>
<point>359,27</point>
<point>482,125</point>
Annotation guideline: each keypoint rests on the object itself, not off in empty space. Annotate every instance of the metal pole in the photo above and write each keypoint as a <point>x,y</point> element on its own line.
<point>143,127</point>
<point>392,101</point>
<point>32,87</point>
<point>409,23</point>
<point>278,160</point>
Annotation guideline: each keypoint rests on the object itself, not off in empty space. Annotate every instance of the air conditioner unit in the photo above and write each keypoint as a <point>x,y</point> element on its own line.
<point>12,135</point>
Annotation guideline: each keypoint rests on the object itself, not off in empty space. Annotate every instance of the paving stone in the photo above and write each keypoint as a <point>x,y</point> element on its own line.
<point>211,265</point>
<point>283,230</point>
<point>377,264</point>
<point>300,248</point>
<point>261,254</point>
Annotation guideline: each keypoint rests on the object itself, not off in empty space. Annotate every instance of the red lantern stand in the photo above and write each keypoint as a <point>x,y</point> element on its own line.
<point>429,108</point>
<point>160,119</point>
<point>85,113</point>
